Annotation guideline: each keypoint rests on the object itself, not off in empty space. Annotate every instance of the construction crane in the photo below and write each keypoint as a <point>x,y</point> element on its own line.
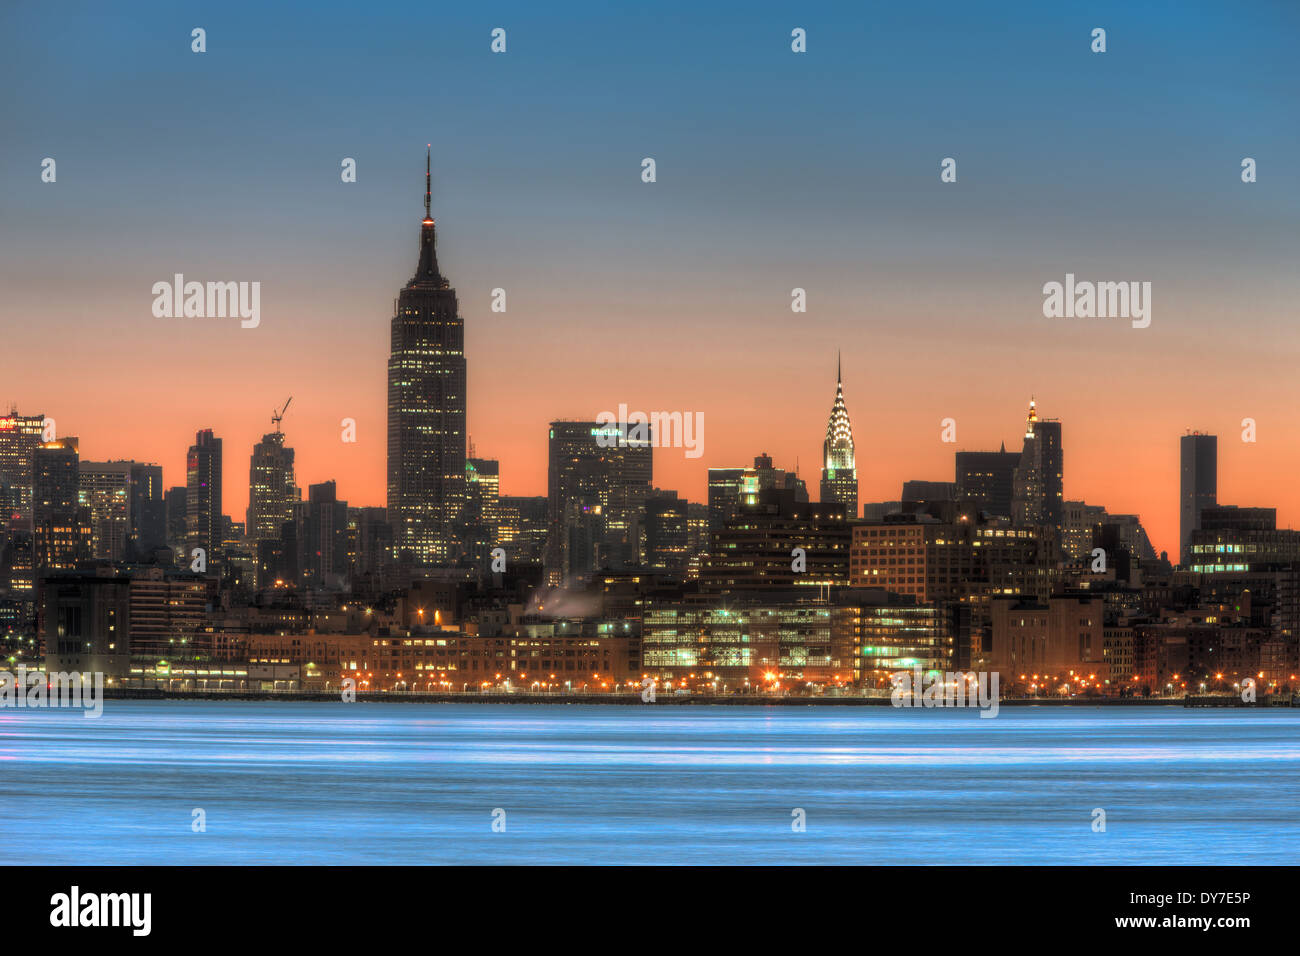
<point>277,416</point>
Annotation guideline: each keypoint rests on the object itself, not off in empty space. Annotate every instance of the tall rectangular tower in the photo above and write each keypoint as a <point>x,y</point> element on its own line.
<point>1198,485</point>
<point>203,499</point>
<point>19,437</point>
<point>271,488</point>
<point>61,527</point>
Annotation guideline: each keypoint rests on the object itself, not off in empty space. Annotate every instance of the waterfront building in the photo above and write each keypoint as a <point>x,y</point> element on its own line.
<point>755,550</point>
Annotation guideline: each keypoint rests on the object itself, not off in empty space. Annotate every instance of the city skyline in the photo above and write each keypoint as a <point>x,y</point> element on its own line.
<point>235,507</point>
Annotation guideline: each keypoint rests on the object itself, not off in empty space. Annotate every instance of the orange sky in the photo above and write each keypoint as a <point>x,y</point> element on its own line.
<point>121,388</point>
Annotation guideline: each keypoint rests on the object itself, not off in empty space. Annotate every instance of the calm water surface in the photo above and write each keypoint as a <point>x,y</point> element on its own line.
<point>322,783</point>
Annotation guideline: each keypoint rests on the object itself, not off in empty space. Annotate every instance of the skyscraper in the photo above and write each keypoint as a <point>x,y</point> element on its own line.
<point>177,518</point>
<point>426,409</point>
<point>1198,486</point>
<point>839,469</point>
<point>988,478</point>
<point>271,488</point>
<point>1039,498</point>
<point>105,490</point>
<point>203,498</point>
<point>480,527</point>
<point>596,499</point>
<point>323,555</point>
<point>148,514</point>
<point>61,531</point>
<point>19,437</point>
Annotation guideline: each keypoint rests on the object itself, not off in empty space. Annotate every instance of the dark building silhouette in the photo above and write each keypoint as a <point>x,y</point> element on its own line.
<point>176,510</point>
<point>148,511</point>
<point>1039,495</point>
<point>919,490</point>
<point>988,479</point>
<point>1198,486</point>
<point>323,550</point>
<point>203,516</point>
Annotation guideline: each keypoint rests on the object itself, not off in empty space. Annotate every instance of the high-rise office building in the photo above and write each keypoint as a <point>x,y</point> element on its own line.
<point>104,488</point>
<point>1198,486</point>
<point>426,410</point>
<point>203,516</point>
<point>148,513</point>
<point>839,468</point>
<point>323,557</point>
<point>988,479</point>
<point>525,528</point>
<point>177,518</point>
<point>61,526</point>
<point>667,530</point>
<point>725,496</point>
<point>373,549</point>
<point>597,482</point>
<point>271,488</point>
<point>482,515</point>
<point>19,437</point>
<point>1039,496</point>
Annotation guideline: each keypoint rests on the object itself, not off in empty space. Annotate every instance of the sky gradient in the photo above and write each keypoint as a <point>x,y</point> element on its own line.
<point>775,171</point>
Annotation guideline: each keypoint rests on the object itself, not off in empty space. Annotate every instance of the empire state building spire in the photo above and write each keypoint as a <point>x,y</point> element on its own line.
<point>426,271</point>
<point>839,467</point>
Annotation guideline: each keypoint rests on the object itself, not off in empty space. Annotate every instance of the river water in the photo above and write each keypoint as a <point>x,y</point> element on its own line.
<point>334,783</point>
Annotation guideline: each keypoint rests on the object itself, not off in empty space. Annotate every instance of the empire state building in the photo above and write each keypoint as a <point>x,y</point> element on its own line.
<point>426,409</point>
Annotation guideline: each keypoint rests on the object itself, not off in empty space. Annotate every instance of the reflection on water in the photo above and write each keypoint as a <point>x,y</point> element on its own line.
<point>286,782</point>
